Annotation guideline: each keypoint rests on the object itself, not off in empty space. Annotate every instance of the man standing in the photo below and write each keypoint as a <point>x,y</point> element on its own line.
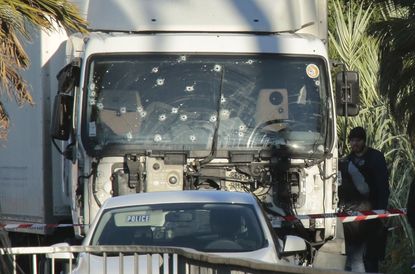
<point>365,186</point>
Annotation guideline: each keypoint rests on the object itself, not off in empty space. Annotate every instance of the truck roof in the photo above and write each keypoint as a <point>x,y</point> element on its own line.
<point>204,43</point>
<point>270,16</point>
<point>186,196</point>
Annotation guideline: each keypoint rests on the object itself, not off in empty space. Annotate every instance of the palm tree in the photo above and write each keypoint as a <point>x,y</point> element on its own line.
<point>352,45</point>
<point>397,66</point>
<point>17,18</point>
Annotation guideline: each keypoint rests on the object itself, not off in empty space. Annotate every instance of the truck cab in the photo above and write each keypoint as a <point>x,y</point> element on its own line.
<point>225,95</point>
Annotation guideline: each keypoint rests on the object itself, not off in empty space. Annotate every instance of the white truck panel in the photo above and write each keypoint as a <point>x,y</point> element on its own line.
<point>30,169</point>
<point>202,15</point>
<point>131,17</point>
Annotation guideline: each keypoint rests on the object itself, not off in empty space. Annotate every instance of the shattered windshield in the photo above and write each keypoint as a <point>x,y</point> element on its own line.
<point>182,102</point>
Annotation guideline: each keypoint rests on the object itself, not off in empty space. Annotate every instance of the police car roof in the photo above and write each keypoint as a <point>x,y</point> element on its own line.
<point>186,196</point>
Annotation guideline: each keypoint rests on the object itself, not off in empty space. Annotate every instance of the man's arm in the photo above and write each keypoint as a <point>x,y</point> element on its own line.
<point>382,180</point>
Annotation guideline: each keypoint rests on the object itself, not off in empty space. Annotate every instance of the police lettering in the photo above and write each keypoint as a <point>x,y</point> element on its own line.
<point>138,218</point>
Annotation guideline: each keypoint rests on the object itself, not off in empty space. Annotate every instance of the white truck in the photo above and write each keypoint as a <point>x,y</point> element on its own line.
<point>233,95</point>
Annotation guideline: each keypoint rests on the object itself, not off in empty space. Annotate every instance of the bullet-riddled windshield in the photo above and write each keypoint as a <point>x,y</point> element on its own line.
<point>185,102</point>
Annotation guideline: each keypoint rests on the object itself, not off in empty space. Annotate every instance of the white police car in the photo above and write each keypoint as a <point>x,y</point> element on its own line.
<point>230,224</point>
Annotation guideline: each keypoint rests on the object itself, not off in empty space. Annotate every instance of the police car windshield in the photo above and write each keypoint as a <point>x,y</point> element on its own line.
<point>204,227</point>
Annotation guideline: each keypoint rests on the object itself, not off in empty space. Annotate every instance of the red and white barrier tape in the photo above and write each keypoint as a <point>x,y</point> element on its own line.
<point>347,216</point>
<point>15,226</point>
<point>355,216</point>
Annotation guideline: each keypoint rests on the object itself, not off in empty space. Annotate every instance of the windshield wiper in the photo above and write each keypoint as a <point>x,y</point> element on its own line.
<point>210,157</point>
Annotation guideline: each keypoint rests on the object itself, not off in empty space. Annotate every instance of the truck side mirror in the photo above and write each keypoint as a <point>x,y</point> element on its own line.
<point>347,93</point>
<point>61,117</point>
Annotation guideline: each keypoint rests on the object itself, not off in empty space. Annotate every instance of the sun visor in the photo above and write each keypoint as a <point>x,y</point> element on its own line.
<point>202,15</point>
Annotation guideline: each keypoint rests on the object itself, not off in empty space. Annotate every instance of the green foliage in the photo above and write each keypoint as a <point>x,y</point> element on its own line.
<point>397,72</point>
<point>359,51</point>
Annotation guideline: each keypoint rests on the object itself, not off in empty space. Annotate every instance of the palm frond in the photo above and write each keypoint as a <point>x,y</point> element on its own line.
<point>44,13</point>
<point>17,17</point>
<point>383,129</point>
<point>397,74</point>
